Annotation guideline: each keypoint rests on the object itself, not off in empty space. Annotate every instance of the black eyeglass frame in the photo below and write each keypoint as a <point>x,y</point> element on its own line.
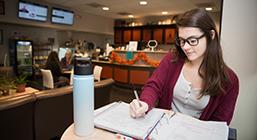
<point>188,40</point>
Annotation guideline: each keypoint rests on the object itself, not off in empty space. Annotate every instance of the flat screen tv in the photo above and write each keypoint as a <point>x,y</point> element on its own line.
<point>32,11</point>
<point>62,16</point>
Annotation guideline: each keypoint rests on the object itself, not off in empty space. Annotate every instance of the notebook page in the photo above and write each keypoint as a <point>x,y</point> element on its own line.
<point>182,127</point>
<point>118,120</point>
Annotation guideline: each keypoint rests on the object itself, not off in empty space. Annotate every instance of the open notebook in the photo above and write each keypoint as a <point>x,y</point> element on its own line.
<point>159,125</point>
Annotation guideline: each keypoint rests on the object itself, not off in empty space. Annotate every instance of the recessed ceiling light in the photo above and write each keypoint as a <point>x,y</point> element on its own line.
<point>143,2</point>
<point>105,8</point>
<point>130,16</point>
<point>164,13</point>
<point>208,8</point>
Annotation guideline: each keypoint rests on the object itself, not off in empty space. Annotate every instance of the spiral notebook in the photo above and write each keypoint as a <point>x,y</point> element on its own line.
<point>158,124</point>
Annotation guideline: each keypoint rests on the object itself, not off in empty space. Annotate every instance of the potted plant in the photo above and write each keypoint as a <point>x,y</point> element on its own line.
<point>7,85</point>
<point>21,82</point>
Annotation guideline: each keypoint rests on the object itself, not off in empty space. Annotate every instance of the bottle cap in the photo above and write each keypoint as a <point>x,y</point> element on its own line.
<point>83,66</point>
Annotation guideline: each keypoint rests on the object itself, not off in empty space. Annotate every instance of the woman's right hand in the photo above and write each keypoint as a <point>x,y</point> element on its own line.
<point>138,108</point>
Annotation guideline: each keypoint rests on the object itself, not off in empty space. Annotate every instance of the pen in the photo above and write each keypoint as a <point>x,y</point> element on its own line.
<point>136,95</point>
<point>174,113</point>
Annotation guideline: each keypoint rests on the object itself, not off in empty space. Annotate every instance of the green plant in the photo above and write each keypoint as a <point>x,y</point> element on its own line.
<point>22,79</point>
<point>6,84</point>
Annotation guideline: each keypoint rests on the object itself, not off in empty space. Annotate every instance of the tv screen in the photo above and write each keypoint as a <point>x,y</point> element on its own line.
<point>62,16</point>
<point>32,11</point>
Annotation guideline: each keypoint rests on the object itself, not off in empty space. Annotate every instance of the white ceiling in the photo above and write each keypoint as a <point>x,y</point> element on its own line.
<point>153,8</point>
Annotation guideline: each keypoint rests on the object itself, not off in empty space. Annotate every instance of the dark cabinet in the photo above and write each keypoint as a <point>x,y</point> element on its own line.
<point>169,35</point>
<point>118,36</point>
<point>126,36</point>
<point>147,35</point>
<point>136,34</point>
<point>158,35</point>
<point>164,34</point>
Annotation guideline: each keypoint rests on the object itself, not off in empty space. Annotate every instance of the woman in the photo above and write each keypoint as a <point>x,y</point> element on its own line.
<point>193,79</point>
<point>53,64</point>
<point>66,61</point>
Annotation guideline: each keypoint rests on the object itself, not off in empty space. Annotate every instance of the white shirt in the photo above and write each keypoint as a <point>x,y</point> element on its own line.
<point>186,99</point>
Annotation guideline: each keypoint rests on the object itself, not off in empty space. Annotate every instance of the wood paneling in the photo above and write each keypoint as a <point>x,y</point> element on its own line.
<point>138,76</point>
<point>126,36</point>
<point>158,35</point>
<point>164,34</point>
<point>121,75</point>
<point>146,35</point>
<point>169,36</point>
<point>136,35</point>
<point>107,72</point>
<point>118,36</point>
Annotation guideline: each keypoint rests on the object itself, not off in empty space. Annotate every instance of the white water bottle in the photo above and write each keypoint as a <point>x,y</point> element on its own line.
<point>83,97</point>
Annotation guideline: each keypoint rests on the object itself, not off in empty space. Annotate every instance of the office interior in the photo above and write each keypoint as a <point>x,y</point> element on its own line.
<point>235,21</point>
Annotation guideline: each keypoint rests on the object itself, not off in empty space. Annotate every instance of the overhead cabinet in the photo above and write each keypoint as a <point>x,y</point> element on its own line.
<point>164,34</point>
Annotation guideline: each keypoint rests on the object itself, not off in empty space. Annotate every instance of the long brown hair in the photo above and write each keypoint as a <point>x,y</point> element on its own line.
<point>52,57</point>
<point>212,69</point>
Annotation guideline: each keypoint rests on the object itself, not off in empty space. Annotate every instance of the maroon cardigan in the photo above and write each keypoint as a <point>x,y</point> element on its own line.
<point>161,84</point>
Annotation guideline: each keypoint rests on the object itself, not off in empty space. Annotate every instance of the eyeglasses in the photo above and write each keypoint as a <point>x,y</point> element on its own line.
<point>192,41</point>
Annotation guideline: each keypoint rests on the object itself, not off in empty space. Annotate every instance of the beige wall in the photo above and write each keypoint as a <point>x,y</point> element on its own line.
<point>86,27</point>
<point>82,21</point>
<point>238,36</point>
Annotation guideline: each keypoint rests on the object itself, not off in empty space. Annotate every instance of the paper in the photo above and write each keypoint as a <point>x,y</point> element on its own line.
<point>117,119</point>
<point>182,127</point>
<point>132,46</point>
<point>159,124</point>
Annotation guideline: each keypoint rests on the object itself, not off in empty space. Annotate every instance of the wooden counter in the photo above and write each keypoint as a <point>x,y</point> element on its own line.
<point>127,74</point>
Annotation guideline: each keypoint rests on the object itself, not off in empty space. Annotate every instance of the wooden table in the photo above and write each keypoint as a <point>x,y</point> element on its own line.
<point>98,134</point>
<point>66,71</point>
<point>28,90</point>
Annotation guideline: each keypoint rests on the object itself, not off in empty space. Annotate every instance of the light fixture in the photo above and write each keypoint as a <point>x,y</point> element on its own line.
<point>143,2</point>
<point>105,8</point>
<point>130,16</point>
<point>164,12</point>
<point>208,8</point>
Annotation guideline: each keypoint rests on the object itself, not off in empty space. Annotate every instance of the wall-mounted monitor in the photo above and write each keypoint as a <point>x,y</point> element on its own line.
<point>62,16</point>
<point>32,11</point>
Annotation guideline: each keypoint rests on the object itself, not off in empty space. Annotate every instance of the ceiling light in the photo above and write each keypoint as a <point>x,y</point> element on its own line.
<point>130,16</point>
<point>143,2</point>
<point>105,8</point>
<point>164,13</point>
<point>208,8</point>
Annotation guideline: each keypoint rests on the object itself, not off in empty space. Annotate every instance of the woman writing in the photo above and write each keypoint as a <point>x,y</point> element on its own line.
<point>193,79</point>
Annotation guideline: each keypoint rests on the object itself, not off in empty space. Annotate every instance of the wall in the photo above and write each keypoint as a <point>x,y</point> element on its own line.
<point>82,21</point>
<point>86,27</point>
<point>39,34</point>
<point>238,38</point>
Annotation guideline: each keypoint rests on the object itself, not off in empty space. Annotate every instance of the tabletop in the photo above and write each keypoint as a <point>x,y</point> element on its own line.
<point>28,90</point>
<point>98,134</point>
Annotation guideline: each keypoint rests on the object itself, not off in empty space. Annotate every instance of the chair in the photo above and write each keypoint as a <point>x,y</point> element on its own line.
<point>97,72</point>
<point>232,134</point>
<point>17,117</point>
<point>53,112</point>
<point>48,80</point>
<point>71,76</point>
